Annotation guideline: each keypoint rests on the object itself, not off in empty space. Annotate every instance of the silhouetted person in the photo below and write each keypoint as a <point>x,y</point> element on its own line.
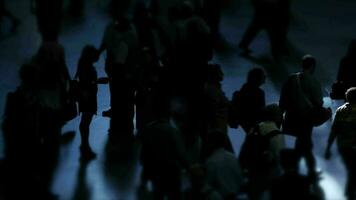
<point>148,84</point>
<point>295,91</point>
<point>215,106</point>
<point>260,152</point>
<point>120,44</point>
<point>164,154</point>
<point>344,131</point>
<point>291,185</point>
<point>22,145</point>
<point>347,69</point>
<point>223,171</point>
<point>4,12</point>
<point>87,76</point>
<point>251,99</point>
<point>42,97</point>
<point>145,27</point>
<point>272,16</point>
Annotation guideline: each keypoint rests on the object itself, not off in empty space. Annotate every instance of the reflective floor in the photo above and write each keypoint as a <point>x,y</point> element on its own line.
<point>322,28</point>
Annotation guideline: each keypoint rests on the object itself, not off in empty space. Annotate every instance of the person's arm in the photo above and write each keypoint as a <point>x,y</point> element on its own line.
<point>105,40</point>
<point>332,136</point>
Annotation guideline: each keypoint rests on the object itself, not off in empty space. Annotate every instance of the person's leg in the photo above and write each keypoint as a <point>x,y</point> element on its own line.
<point>84,128</point>
<point>304,148</point>
<point>350,164</point>
<point>125,112</point>
<point>253,29</point>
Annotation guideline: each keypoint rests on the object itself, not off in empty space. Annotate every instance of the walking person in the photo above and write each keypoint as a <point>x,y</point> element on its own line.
<point>344,131</point>
<point>87,76</point>
<point>299,88</point>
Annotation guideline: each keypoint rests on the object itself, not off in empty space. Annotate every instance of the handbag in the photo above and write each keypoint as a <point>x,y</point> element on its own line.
<point>317,115</point>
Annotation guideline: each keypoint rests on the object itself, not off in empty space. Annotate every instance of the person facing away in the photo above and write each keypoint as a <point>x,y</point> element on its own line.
<point>347,68</point>
<point>87,77</point>
<point>296,92</point>
<point>252,99</point>
<point>344,131</point>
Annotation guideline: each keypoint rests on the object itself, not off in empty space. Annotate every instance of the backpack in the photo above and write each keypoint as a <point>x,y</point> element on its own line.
<point>235,110</point>
<point>255,150</point>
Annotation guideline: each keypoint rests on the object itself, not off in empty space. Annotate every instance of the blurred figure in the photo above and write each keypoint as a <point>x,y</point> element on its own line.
<point>347,69</point>
<point>164,155</point>
<point>346,75</point>
<point>272,16</point>
<point>223,171</point>
<point>120,44</point>
<point>4,12</point>
<point>215,107</point>
<point>299,88</point>
<point>87,76</point>
<point>344,130</point>
<point>35,116</point>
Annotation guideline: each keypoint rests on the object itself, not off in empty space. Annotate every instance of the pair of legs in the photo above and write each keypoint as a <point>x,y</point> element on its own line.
<point>304,148</point>
<point>84,128</point>
<point>277,33</point>
<point>348,157</point>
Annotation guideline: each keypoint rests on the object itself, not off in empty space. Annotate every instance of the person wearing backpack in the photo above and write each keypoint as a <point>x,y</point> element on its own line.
<point>344,130</point>
<point>259,155</point>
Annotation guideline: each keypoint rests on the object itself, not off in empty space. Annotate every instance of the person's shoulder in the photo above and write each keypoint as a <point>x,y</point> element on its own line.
<point>343,108</point>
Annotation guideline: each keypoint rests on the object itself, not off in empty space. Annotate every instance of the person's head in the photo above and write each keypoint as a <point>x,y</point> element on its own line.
<point>352,48</point>
<point>351,95</point>
<point>256,76</point>
<point>308,63</point>
<point>272,112</point>
<point>90,54</point>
